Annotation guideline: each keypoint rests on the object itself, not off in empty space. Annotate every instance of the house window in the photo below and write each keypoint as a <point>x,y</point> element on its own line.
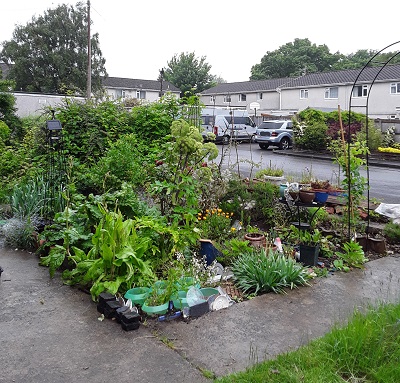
<point>395,88</point>
<point>242,97</point>
<point>140,94</point>
<point>227,99</point>
<point>212,99</point>
<point>360,91</point>
<point>123,93</point>
<point>260,96</point>
<point>331,92</point>
<point>303,93</point>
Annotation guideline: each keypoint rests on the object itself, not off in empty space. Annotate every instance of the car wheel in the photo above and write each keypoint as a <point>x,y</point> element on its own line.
<point>225,140</point>
<point>253,138</point>
<point>263,146</point>
<point>284,144</point>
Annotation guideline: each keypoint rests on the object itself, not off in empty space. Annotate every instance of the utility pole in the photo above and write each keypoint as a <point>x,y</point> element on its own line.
<point>161,80</point>
<point>89,58</point>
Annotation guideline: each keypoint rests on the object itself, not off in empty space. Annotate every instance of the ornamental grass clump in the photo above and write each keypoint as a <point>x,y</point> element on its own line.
<point>216,225</point>
<point>260,271</point>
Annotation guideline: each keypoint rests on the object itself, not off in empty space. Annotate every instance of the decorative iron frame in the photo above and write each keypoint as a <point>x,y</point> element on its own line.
<point>348,136</point>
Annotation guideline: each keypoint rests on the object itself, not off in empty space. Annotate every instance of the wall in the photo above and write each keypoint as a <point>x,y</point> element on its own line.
<point>33,104</point>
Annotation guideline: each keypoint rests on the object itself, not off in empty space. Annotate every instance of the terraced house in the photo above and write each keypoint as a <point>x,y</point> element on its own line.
<point>376,93</point>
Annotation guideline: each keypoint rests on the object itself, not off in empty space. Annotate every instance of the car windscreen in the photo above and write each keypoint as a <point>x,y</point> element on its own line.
<point>270,125</point>
<point>239,120</point>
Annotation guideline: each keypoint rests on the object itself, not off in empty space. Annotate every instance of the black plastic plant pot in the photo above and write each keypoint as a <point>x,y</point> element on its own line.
<point>309,255</point>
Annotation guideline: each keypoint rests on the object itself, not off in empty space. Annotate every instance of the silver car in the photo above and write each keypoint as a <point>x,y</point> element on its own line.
<point>275,133</point>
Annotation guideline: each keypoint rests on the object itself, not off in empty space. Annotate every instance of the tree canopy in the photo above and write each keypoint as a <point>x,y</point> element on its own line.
<point>293,59</point>
<point>189,73</point>
<point>49,54</point>
<point>301,56</point>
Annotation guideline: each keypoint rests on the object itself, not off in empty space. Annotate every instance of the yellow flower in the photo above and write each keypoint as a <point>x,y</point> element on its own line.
<point>204,218</point>
<point>231,214</point>
<point>233,228</point>
<point>219,210</point>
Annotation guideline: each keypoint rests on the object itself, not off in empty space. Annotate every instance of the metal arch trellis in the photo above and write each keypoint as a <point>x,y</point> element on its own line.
<point>366,124</point>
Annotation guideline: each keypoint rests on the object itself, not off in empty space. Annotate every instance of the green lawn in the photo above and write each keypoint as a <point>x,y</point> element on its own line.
<point>366,350</point>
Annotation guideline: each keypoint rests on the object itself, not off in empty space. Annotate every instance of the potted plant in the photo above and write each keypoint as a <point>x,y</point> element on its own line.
<point>293,191</point>
<point>255,237</point>
<point>157,302</point>
<point>321,189</point>
<point>158,296</point>
<point>309,246</point>
<point>306,195</point>
<point>271,174</point>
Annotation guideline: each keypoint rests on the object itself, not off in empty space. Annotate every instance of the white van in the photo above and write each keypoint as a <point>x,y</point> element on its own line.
<point>227,125</point>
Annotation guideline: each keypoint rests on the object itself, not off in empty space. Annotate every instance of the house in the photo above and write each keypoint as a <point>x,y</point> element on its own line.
<point>149,90</point>
<point>376,93</point>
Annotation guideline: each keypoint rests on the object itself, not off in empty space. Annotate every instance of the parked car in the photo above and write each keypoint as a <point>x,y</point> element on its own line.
<point>275,133</point>
<point>228,125</point>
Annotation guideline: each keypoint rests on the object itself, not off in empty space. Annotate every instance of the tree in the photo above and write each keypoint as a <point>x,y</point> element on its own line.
<point>7,107</point>
<point>362,56</point>
<point>294,59</point>
<point>49,54</point>
<point>189,73</point>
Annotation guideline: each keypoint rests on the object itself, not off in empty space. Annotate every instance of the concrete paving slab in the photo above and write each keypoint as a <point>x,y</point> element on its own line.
<point>233,339</point>
<point>51,332</point>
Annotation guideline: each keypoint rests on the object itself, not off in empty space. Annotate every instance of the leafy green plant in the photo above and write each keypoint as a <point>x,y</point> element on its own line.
<point>29,198</point>
<point>157,296</point>
<point>117,260</point>
<point>392,232</point>
<point>123,162</point>
<point>350,158</point>
<point>312,136</point>
<point>353,254</point>
<point>215,224</point>
<point>259,271</point>
<point>339,265</point>
<point>231,249</point>
<point>179,174</point>
<point>272,170</point>
<point>265,195</point>
<point>306,237</point>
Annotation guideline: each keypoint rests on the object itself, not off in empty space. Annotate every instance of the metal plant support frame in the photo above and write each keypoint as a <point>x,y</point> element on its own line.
<point>366,124</point>
<point>56,173</point>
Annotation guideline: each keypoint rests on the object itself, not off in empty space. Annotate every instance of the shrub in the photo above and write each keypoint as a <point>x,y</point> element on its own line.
<point>313,137</point>
<point>122,162</point>
<point>374,136</point>
<point>265,196</point>
<point>20,232</point>
<point>215,224</point>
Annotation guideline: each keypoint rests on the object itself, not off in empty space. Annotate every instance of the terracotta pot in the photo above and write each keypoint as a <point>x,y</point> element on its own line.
<point>306,196</point>
<point>294,195</point>
<point>255,239</point>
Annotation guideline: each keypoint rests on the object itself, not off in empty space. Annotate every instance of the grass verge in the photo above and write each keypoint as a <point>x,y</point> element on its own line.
<point>366,350</point>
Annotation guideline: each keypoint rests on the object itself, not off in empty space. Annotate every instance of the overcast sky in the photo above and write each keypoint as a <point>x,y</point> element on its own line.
<point>138,38</point>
